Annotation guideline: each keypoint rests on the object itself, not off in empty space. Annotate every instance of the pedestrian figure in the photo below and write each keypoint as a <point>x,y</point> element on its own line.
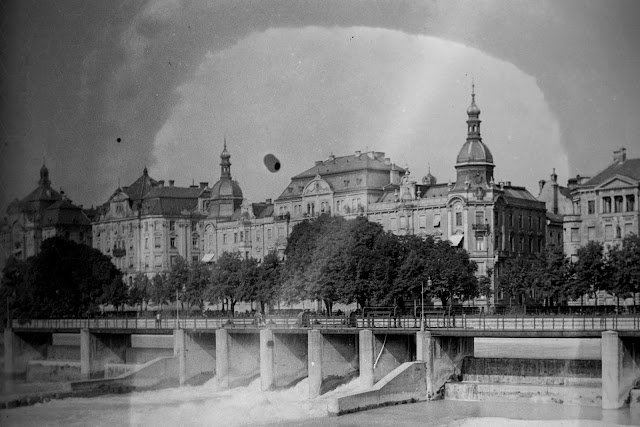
<point>158,320</point>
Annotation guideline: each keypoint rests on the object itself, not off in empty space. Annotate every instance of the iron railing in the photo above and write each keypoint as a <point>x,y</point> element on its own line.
<point>371,320</point>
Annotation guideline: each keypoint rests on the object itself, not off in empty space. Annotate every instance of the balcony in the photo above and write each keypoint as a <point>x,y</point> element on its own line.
<point>481,228</point>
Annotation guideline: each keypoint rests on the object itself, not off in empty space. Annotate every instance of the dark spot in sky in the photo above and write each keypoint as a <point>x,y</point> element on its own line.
<point>119,139</point>
<point>272,163</point>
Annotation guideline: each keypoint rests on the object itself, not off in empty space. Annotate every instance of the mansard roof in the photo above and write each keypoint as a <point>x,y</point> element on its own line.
<point>63,212</point>
<point>140,187</point>
<point>171,200</point>
<point>373,160</point>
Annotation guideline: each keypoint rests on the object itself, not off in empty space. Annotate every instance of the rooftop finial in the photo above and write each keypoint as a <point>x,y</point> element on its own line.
<point>225,142</point>
<point>473,89</point>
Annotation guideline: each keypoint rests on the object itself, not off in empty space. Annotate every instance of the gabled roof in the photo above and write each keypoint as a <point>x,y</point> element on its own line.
<point>630,168</point>
<point>519,193</point>
<point>262,210</point>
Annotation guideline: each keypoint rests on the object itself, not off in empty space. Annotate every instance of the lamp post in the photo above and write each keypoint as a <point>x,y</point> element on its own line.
<point>422,303</point>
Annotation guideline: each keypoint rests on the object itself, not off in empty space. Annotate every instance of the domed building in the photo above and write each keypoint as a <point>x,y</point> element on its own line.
<point>226,194</point>
<point>43,213</point>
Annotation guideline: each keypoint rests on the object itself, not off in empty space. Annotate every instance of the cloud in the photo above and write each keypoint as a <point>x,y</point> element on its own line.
<point>304,93</point>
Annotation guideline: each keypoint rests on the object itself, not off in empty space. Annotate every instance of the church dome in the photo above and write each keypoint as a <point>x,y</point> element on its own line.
<point>226,188</point>
<point>429,179</point>
<point>474,151</point>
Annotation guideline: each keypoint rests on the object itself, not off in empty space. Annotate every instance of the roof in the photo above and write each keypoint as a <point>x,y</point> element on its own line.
<point>373,160</point>
<point>630,168</point>
<point>474,150</point>
<point>140,187</point>
<point>519,193</point>
<point>63,212</point>
<point>262,210</point>
<point>226,187</point>
<point>170,200</point>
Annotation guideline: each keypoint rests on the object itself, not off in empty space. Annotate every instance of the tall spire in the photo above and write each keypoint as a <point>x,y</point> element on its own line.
<point>473,121</point>
<point>225,163</point>
<point>44,175</point>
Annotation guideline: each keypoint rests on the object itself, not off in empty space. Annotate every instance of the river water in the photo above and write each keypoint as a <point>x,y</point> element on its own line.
<point>209,405</point>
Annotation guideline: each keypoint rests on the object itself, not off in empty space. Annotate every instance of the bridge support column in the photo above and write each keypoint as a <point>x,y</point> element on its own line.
<point>85,353</point>
<point>267,348</point>
<point>365,357</point>
<point>9,339</point>
<point>222,357</point>
<point>315,363</point>
<point>21,348</point>
<point>424,352</point>
<point>620,369</point>
<point>179,351</point>
<point>96,350</point>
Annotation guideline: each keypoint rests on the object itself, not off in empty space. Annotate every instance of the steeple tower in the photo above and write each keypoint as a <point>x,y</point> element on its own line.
<point>225,163</point>
<point>474,164</point>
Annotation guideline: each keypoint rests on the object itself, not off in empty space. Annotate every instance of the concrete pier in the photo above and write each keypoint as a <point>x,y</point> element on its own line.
<point>366,357</point>
<point>222,357</point>
<point>180,352</point>
<point>267,350</point>
<point>620,369</point>
<point>315,363</point>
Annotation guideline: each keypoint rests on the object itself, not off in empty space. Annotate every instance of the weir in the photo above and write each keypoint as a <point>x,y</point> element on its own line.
<point>327,357</point>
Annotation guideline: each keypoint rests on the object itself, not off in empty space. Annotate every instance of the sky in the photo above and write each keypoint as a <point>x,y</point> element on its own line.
<point>100,90</point>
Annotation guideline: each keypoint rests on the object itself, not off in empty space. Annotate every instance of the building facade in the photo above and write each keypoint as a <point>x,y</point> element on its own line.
<point>43,213</point>
<point>145,226</point>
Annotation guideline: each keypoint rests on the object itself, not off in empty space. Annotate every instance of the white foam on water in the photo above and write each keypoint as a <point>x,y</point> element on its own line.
<point>200,405</point>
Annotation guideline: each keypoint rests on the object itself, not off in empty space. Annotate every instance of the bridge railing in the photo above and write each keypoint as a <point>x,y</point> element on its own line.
<point>470,322</point>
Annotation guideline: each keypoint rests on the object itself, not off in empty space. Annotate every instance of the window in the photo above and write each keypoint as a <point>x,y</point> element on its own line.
<point>511,244</point>
<point>436,220</point>
<point>269,233</point>
<point>194,241</point>
<point>146,261</point>
<point>531,243</point>
<point>146,243</point>
<point>521,248</point>
<point>606,205</point>
<point>608,232</point>
<point>479,217</point>
<point>130,262</point>
<point>172,242</point>
<point>403,222</point>
<point>591,234</point>
<point>510,220</point>
<point>172,260</point>
<point>617,203</point>
<point>235,237</point>
<point>539,223</point>
<point>575,234</point>
<point>520,221</point>
<point>157,261</point>
<point>631,203</point>
<point>242,236</point>
<point>618,232</point>
<point>224,238</point>
<point>146,226</point>
<point>194,225</point>
<point>423,221</point>
<point>480,243</point>
<point>628,229</point>
<point>591,207</point>
<point>172,225</point>
<point>194,259</point>
<point>157,241</point>
<point>458,219</point>
<point>530,222</point>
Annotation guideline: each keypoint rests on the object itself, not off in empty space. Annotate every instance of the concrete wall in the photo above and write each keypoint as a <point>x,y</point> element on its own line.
<point>533,371</point>
<point>200,355</point>
<point>96,350</point>
<point>406,383</point>
<point>290,362</point>
<point>394,350</point>
<point>53,371</point>
<point>237,357</point>
<point>20,348</point>
<point>620,368</point>
<point>159,373</point>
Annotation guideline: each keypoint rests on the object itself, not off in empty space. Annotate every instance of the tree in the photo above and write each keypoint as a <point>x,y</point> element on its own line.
<point>13,280</point>
<point>625,267</point>
<point>197,284</point>
<point>248,276</point>
<point>268,288</point>
<point>65,279</point>
<point>177,280</point>
<point>225,282</point>
<point>160,291</point>
<point>517,279</point>
<point>140,291</point>
<point>115,293</point>
<point>591,271</point>
<point>553,275</point>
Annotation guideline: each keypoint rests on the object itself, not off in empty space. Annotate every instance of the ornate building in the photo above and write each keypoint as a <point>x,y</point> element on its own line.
<point>43,213</point>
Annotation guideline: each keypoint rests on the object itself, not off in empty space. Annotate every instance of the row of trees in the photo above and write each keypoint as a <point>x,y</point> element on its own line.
<point>550,278</point>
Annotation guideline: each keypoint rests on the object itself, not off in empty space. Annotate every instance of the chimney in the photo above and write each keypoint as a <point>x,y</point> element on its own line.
<point>394,175</point>
<point>268,201</point>
<point>619,156</point>
<point>318,162</point>
<point>379,155</point>
<point>357,153</point>
<point>387,161</point>
<point>332,157</point>
<point>204,184</point>
<point>371,155</point>
<point>171,182</point>
<point>161,183</point>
